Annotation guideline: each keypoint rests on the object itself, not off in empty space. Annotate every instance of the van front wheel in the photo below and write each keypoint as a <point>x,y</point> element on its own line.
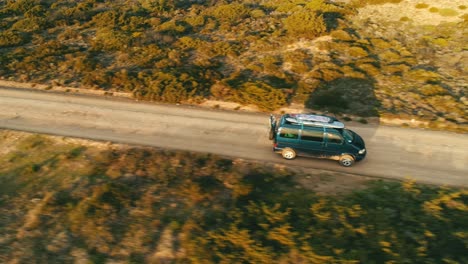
<point>288,153</point>
<point>346,160</point>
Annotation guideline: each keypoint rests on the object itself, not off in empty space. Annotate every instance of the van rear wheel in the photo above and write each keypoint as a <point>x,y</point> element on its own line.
<point>346,160</point>
<point>288,153</point>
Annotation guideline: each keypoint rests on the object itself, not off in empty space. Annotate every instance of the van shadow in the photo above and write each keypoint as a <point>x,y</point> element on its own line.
<point>345,96</point>
<point>348,99</point>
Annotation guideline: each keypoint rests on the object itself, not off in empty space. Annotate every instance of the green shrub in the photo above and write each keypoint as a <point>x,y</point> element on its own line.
<point>432,90</point>
<point>29,24</point>
<point>188,42</point>
<point>12,38</point>
<point>341,35</point>
<point>230,13</point>
<point>433,10</point>
<point>109,40</point>
<point>440,42</point>
<point>421,5</point>
<point>304,24</point>
<point>380,44</point>
<point>405,19</point>
<point>373,2</point>
<point>21,6</point>
<point>395,69</point>
<point>370,69</point>
<point>448,12</point>
<point>423,76</point>
<point>356,52</point>
<point>330,74</point>
<point>261,95</point>
<point>389,56</point>
<point>195,21</point>
<point>462,7</point>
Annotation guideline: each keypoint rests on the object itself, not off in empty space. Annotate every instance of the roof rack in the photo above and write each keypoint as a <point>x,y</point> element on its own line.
<point>313,120</point>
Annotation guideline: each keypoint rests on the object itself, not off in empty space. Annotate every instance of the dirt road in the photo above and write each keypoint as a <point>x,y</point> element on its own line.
<point>425,156</point>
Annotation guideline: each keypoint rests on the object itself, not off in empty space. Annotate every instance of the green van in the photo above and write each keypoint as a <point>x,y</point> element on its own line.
<point>318,136</point>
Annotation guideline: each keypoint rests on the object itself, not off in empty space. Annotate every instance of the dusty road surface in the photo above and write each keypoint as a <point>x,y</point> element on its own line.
<point>425,156</point>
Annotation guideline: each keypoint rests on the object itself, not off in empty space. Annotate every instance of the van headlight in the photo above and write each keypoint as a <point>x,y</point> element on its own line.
<point>362,151</point>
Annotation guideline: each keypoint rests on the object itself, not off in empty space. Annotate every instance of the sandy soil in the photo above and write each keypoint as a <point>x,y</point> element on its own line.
<point>420,16</point>
<point>398,153</point>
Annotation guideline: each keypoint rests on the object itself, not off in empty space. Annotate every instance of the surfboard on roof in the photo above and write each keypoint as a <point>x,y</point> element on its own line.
<point>314,120</point>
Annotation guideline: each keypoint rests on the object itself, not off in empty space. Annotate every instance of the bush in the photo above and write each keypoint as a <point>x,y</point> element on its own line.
<point>261,95</point>
<point>230,13</point>
<point>421,5</point>
<point>432,90</point>
<point>374,2</point>
<point>11,38</point>
<point>29,24</point>
<point>341,35</point>
<point>448,12</point>
<point>405,19</point>
<point>304,24</point>
<point>110,40</point>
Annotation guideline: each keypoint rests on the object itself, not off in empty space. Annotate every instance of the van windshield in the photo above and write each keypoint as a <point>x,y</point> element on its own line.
<point>347,134</point>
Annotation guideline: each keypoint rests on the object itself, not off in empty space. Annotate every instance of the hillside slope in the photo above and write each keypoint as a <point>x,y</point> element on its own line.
<point>65,200</point>
<point>398,59</point>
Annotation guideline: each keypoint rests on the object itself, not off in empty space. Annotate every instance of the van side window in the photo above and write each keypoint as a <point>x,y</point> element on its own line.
<point>289,133</point>
<point>334,137</point>
<point>311,135</point>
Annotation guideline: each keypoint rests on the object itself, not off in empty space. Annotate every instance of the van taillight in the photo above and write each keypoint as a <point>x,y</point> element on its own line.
<point>275,145</point>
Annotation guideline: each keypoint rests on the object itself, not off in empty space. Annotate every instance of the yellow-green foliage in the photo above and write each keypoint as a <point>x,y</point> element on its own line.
<point>304,24</point>
<point>11,38</point>
<point>446,104</point>
<point>257,13</point>
<point>433,9</point>
<point>421,5</point>
<point>253,93</point>
<point>405,19</point>
<point>352,73</point>
<point>341,35</point>
<point>395,69</point>
<point>356,52</point>
<point>462,7</point>
<point>195,21</point>
<point>230,12</point>
<point>374,2</point>
<point>297,61</point>
<point>188,42</point>
<point>176,51</point>
<point>145,205</point>
<point>432,89</point>
<point>370,69</point>
<point>109,39</point>
<point>423,76</point>
<point>330,74</point>
<point>381,44</point>
<point>324,7</point>
<point>448,12</point>
<point>440,42</point>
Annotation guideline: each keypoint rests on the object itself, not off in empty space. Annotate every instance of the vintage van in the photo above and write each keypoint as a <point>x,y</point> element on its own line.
<point>317,136</point>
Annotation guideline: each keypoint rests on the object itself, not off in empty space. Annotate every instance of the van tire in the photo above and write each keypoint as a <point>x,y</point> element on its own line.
<point>288,153</point>
<point>346,160</point>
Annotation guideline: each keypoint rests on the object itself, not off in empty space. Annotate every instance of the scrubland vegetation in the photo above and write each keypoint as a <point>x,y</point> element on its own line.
<point>267,53</point>
<point>64,202</point>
